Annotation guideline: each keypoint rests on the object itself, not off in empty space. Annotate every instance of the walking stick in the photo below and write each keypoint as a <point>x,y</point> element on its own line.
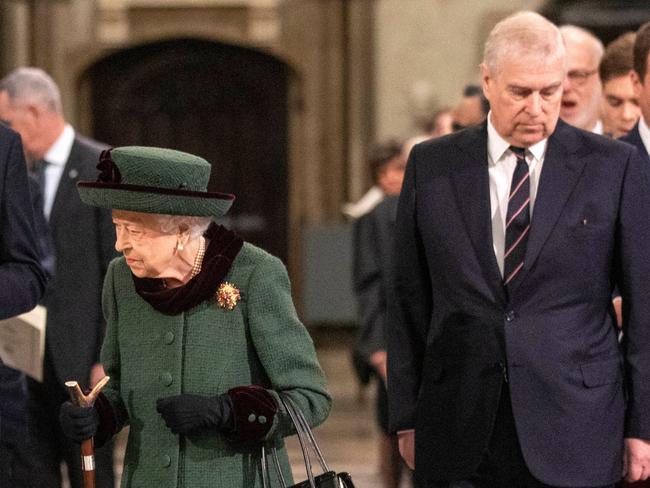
<point>87,448</point>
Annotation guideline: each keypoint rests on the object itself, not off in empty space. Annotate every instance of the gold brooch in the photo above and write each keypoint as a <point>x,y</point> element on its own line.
<point>228,295</point>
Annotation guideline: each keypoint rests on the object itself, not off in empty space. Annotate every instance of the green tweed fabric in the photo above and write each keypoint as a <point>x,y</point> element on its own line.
<point>206,351</point>
<point>156,180</point>
<point>161,168</point>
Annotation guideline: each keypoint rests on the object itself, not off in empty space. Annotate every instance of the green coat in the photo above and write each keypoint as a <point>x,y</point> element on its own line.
<point>206,351</point>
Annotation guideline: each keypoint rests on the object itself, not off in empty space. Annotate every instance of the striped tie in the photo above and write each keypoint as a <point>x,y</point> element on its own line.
<point>517,219</point>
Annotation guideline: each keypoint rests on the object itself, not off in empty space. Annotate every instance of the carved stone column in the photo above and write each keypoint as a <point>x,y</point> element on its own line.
<point>329,43</point>
<point>15,30</point>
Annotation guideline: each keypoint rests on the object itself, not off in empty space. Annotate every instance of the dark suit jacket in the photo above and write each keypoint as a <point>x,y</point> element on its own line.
<point>21,276</point>
<point>22,281</point>
<point>456,327</point>
<point>374,236</point>
<point>634,138</point>
<point>83,239</point>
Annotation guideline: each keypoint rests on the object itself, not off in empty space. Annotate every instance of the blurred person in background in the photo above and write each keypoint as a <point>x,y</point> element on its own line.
<point>471,110</point>
<point>581,100</point>
<point>385,180</point>
<point>620,105</point>
<point>372,273</point>
<point>441,123</point>
<point>82,239</point>
<point>639,136</point>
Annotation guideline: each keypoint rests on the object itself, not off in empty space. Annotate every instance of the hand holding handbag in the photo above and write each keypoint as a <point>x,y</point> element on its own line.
<point>329,478</point>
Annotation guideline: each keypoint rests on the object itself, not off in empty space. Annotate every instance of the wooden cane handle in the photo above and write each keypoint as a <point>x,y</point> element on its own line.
<point>77,396</point>
<point>87,447</point>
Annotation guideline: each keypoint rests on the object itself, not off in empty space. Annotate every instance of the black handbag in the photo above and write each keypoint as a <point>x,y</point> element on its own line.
<point>329,478</point>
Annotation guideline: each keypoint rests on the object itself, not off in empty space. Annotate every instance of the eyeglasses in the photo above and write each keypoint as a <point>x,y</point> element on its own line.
<point>580,76</point>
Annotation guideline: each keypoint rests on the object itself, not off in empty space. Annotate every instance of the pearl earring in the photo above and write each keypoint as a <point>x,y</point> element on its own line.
<point>180,246</point>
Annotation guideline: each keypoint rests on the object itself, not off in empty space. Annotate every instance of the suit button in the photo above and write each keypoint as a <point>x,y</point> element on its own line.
<point>261,419</point>
<point>510,316</point>
<point>165,460</point>
<point>169,337</point>
<point>252,418</point>
<point>166,378</point>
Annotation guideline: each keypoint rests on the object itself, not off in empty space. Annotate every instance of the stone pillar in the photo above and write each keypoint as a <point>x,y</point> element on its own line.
<point>360,92</point>
<point>313,44</point>
<point>15,28</point>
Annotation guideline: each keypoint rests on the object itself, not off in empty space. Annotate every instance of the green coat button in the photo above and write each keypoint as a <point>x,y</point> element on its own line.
<point>252,417</point>
<point>169,337</point>
<point>166,378</point>
<point>261,419</point>
<point>165,460</point>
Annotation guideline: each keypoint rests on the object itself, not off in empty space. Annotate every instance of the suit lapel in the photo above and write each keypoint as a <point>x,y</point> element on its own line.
<point>560,173</point>
<point>471,183</point>
<point>67,185</point>
<point>634,138</point>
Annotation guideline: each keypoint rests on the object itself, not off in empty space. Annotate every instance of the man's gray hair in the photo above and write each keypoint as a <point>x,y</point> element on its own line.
<point>33,86</point>
<point>173,223</point>
<point>522,33</point>
<point>574,34</point>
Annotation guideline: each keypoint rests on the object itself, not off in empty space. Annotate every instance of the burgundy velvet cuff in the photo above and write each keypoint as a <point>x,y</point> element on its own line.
<point>254,412</point>
<point>107,424</point>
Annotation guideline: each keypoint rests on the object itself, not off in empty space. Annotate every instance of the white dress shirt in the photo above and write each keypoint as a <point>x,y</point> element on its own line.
<point>501,166</point>
<point>56,157</point>
<point>644,132</point>
<point>598,128</point>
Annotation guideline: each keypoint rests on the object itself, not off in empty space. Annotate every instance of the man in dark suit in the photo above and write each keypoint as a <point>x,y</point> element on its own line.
<point>83,240</point>
<point>23,284</point>
<point>373,254</point>
<point>504,367</point>
<point>639,136</point>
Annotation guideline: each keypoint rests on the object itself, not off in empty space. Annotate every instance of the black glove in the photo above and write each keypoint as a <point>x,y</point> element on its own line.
<point>189,413</point>
<point>78,423</point>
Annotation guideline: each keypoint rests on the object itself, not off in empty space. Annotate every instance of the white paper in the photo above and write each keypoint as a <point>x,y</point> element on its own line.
<point>22,342</point>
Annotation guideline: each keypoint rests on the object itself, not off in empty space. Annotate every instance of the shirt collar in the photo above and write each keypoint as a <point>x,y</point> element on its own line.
<point>497,145</point>
<point>59,152</point>
<point>598,128</point>
<point>644,132</point>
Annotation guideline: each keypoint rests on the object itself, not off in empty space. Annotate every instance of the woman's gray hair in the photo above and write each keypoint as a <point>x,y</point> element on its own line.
<point>33,85</point>
<point>171,224</point>
<point>520,34</point>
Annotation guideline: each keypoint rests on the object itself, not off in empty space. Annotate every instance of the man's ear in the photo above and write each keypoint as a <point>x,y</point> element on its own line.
<point>34,111</point>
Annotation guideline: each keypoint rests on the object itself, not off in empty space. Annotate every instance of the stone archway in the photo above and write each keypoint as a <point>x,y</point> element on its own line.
<point>226,103</point>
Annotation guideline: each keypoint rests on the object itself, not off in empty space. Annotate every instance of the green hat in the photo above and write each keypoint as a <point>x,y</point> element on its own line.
<point>154,180</point>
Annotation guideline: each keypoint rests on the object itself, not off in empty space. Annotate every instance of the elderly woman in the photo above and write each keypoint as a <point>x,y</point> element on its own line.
<point>201,337</point>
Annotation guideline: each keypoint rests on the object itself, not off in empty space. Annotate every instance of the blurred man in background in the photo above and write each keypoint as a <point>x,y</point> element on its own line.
<point>581,100</point>
<point>639,136</point>
<point>471,110</point>
<point>620,105</point>
<point>373,258</point>
<point>83,239</point>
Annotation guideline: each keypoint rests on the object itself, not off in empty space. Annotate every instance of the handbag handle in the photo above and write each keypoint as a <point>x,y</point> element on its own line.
<point>306,439</point>
<point>307,432</point>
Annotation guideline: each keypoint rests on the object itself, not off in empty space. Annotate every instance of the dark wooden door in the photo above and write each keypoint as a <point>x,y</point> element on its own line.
<point>225,103</point>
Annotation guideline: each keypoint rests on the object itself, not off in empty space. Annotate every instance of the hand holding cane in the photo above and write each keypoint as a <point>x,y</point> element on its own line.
<point>87,449</point>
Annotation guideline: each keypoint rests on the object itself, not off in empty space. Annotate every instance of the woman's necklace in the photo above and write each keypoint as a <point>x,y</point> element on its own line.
<point>198,260</point>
